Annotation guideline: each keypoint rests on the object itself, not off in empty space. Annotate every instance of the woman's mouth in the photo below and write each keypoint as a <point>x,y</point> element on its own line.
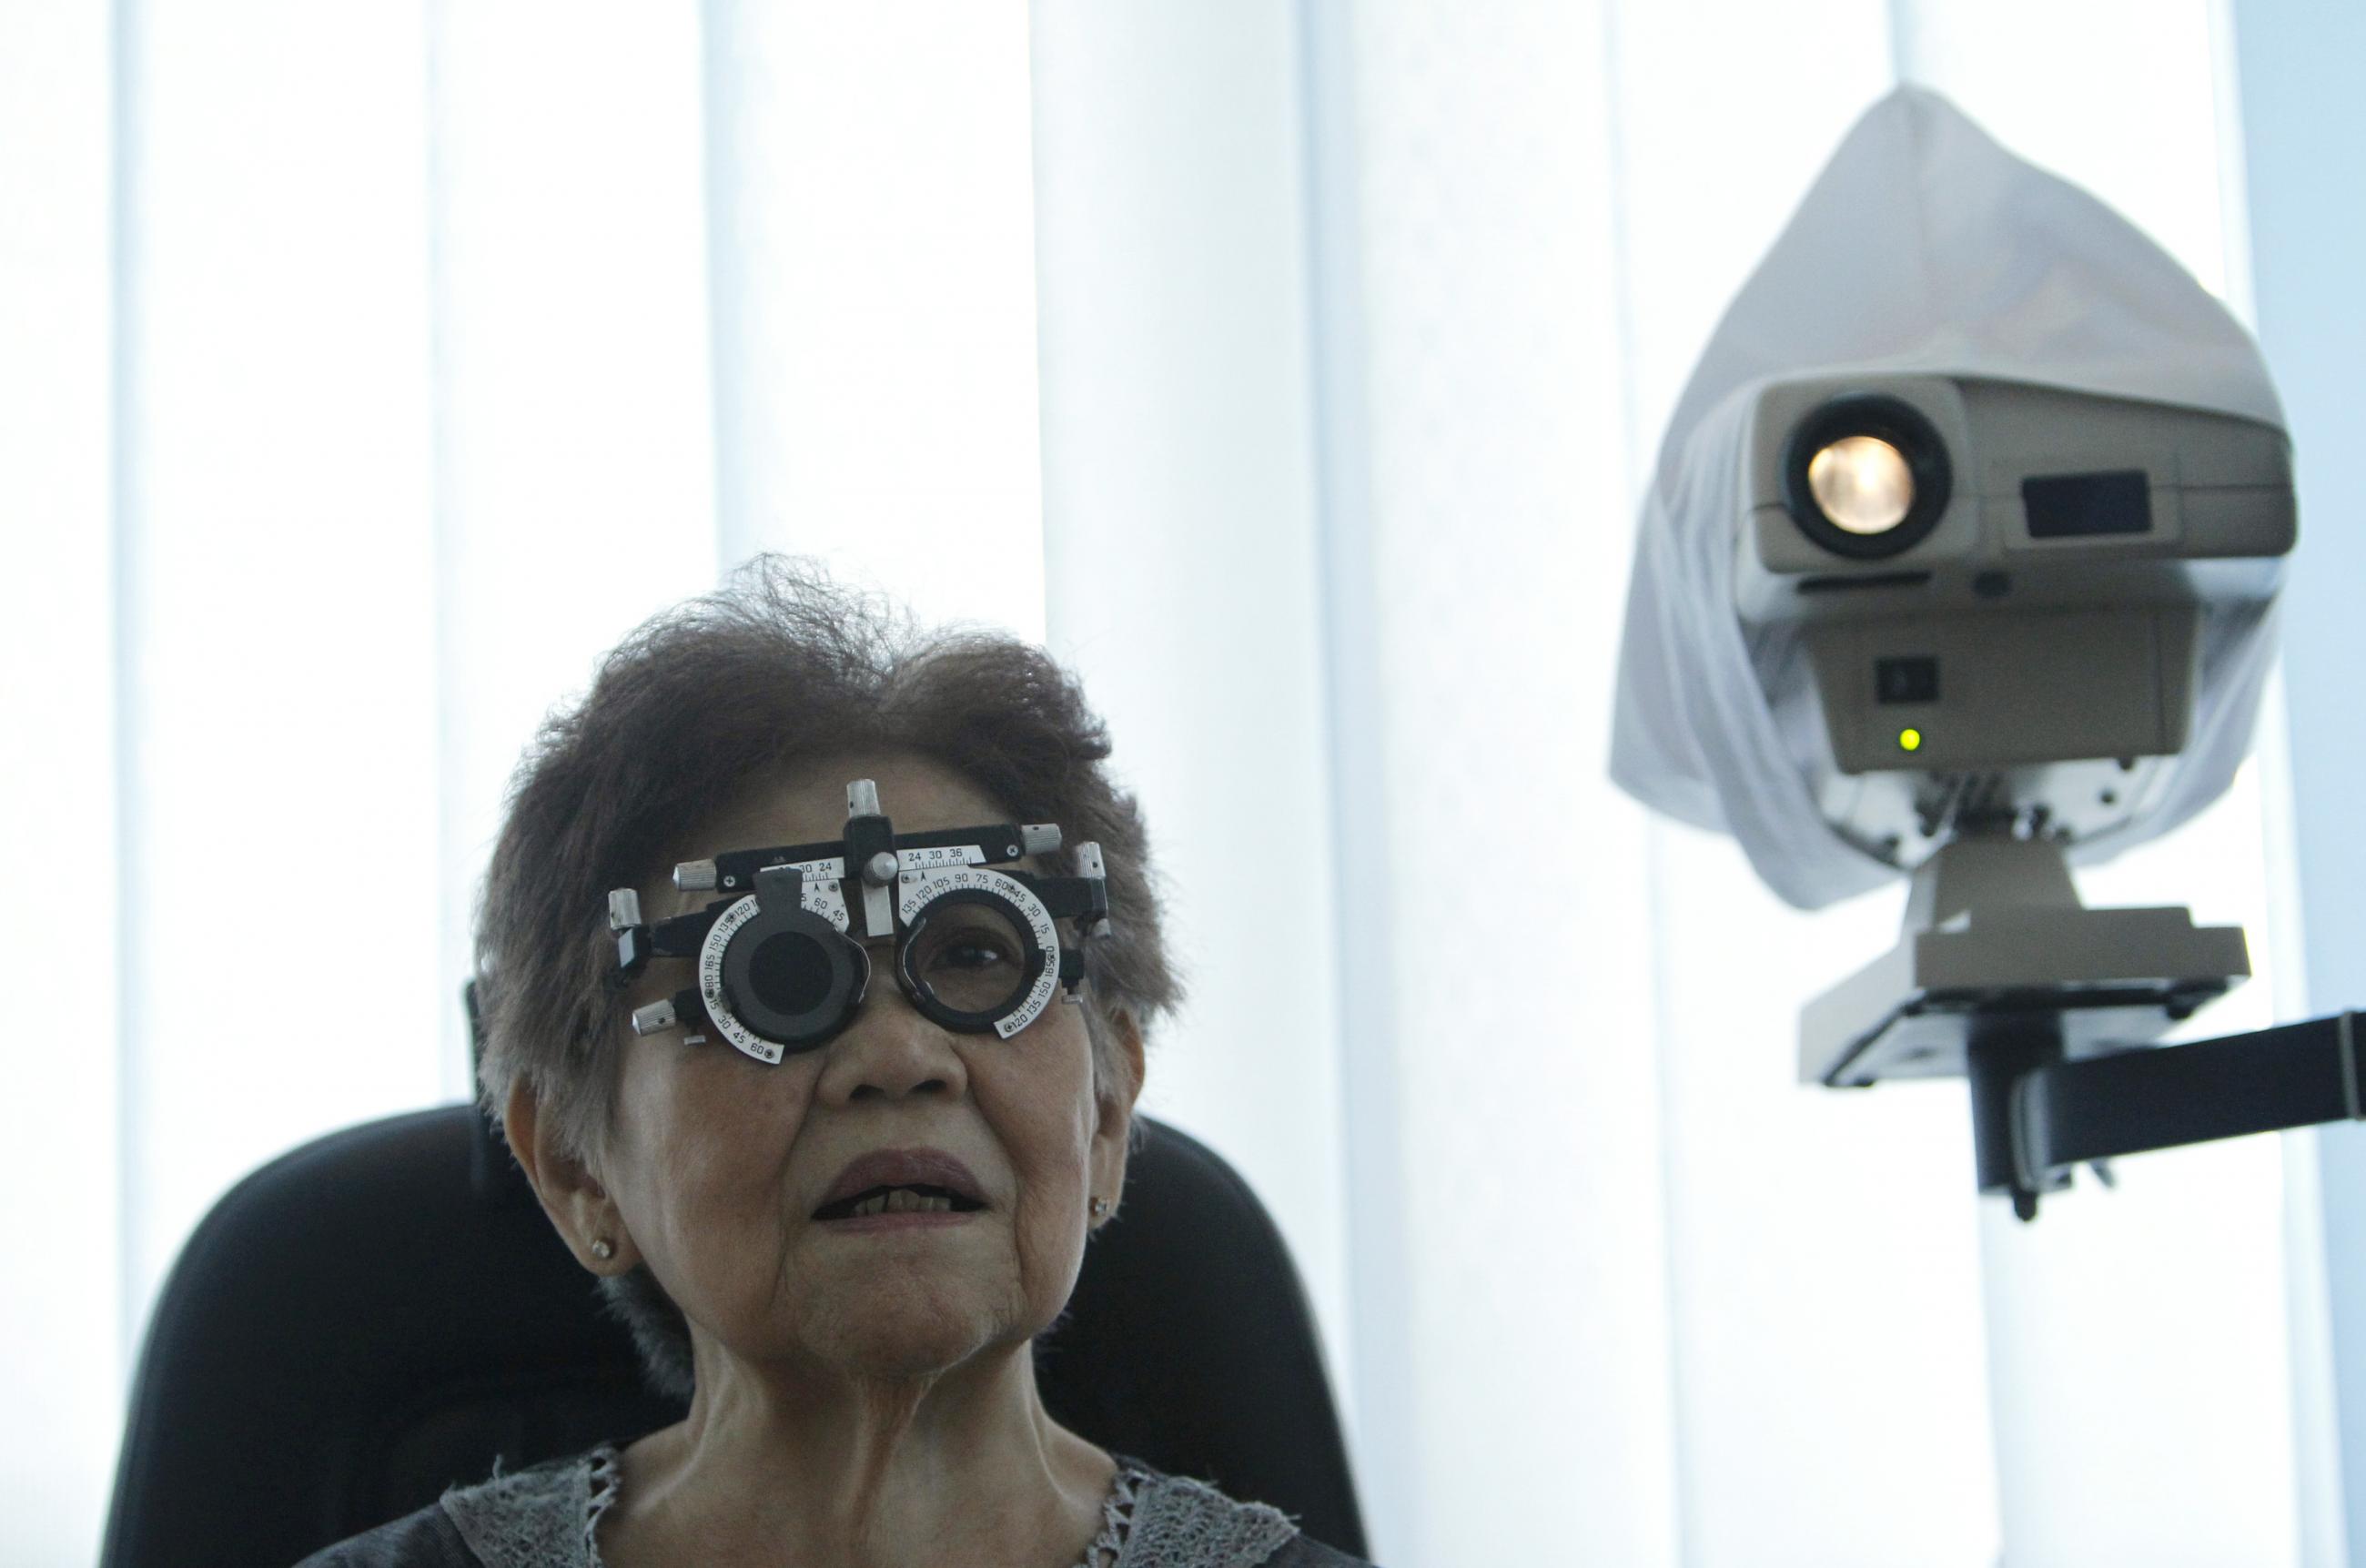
<point>897,1208</point>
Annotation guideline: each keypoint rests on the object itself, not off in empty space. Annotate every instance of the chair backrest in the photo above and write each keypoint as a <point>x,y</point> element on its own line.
<point>379,1315</point>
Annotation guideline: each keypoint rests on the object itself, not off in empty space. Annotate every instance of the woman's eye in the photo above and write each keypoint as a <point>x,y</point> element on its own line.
<point>979,953</point>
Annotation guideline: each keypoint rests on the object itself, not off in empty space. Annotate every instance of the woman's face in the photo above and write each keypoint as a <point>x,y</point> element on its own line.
<point>717,1162</point>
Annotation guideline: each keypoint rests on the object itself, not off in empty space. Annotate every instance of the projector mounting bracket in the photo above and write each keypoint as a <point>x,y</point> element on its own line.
<point>2046,1007</point>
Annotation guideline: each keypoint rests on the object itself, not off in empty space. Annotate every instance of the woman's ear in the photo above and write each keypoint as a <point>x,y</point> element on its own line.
<point>571,1195</point>
<point>1114,1099</point>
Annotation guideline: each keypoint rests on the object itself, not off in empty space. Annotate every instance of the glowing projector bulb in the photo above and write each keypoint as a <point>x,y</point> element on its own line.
<point>1862,484</point>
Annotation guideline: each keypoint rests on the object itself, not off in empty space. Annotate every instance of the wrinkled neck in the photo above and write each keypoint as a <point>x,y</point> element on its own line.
<point>795,1463</point>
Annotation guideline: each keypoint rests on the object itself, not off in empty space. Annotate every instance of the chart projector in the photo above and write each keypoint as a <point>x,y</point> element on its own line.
<point>1960,564</point>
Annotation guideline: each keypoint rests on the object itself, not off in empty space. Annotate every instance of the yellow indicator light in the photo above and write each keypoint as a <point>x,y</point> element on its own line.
<point>1910,740</point>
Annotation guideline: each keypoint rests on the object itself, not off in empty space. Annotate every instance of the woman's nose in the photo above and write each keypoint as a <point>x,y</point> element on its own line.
<point>890,1051</point>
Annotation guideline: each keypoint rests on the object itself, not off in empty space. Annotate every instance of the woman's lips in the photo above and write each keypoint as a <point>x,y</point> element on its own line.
<point>904,1167</point>
<point>911,1220</point>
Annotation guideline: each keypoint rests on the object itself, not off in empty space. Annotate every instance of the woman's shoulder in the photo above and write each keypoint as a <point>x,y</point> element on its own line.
<point>1304,1550</point>
<point>1188,1523</point>
<point>424,1539</point>
<point>540,1516</point>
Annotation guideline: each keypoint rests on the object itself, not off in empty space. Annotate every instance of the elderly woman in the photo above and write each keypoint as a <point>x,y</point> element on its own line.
<point>835,1217</point>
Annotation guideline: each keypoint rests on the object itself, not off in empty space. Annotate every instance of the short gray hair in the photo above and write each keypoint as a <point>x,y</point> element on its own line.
<point>690,710</point>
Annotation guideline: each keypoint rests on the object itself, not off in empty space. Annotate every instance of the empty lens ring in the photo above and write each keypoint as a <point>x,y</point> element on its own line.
<point>1001,907</point>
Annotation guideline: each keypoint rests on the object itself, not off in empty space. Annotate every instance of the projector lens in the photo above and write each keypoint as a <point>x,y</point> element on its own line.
<point>1862,483</point>
<point>1866,476</point>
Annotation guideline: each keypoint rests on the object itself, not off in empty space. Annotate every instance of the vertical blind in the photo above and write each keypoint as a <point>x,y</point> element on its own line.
<point>1293,370</point>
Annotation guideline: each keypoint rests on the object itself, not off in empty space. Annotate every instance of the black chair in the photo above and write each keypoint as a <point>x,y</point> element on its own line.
<point>381,1312</point>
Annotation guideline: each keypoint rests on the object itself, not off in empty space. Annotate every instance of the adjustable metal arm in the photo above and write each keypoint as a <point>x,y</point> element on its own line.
<point>2068,1113</point>
<point>2296,1075</point>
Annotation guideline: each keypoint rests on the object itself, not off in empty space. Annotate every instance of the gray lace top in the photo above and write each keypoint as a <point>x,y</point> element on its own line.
<point>549,1517</point>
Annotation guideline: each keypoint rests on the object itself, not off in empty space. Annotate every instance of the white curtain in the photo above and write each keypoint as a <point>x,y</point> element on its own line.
<point>1291,369</point>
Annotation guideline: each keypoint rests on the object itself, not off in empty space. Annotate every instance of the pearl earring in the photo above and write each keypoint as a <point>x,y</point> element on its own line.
<point>603,1249</point>
<point>1101,1207</point>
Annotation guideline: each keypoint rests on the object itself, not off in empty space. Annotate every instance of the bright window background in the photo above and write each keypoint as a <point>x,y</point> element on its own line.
<point>1293,370</point>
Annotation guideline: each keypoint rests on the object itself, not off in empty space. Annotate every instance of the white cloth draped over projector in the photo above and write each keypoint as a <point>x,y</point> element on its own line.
<point>1923,247</point>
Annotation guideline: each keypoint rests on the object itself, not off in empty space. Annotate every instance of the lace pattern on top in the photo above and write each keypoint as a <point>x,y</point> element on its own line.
<point>1117,1518</point>
<point>1182,1523</point>
<point>607,1475</point>
<point>549,1517</point>
<point>539,1517</point>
